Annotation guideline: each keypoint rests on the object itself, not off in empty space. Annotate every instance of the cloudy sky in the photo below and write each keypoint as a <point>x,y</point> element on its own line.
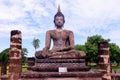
<point>34,17</point>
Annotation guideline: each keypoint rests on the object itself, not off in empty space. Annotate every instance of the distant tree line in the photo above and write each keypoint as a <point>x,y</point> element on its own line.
<point>91,49</point>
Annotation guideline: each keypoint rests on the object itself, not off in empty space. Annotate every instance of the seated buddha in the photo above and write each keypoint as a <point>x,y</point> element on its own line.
<point>63,41</point>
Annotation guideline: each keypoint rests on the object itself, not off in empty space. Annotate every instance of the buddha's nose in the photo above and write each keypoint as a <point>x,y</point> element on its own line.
<point>59,22</point>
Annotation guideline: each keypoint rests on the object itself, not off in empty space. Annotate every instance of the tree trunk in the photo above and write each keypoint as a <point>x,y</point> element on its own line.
<point>3,68</point>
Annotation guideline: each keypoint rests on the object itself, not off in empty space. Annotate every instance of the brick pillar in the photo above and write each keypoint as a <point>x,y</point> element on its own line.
<point>104,60</point>
<point>15,55</point>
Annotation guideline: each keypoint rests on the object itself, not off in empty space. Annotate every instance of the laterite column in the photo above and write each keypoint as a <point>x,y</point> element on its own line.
<point>15,55</point>
<point>104,60</point>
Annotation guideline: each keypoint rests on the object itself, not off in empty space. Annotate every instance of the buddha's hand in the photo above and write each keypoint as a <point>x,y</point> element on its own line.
<point>66,48</point>
<point>60,49</point>
<point>55,49</point>
<point>45,50</point>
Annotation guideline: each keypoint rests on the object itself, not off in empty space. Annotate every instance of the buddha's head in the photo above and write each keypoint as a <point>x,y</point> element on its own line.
<point>59,19</point>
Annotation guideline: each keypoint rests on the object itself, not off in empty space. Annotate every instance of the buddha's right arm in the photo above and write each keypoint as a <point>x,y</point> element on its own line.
<point>47,40</point>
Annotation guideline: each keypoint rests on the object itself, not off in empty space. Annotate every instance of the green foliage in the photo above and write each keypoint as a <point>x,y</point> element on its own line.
<point>91,47</point>
<point>24,54</point>
<point>114,53</point>
<point>4,55</point>
<point>36,43</point>
<point>4,58</point>
<point>95,39</point>
<point>80,47</point>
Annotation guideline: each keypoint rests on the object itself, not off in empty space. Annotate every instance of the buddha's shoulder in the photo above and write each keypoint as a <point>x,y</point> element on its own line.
<point>64,30</point>
<point>68,31</point>
<point>50,31</point>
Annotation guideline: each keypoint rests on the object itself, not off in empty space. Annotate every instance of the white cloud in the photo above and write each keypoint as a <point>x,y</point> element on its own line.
<point>113,34</point>
<point>27,32</point>
<point>21,15</point>
<point>84,17</point>
<point>91,17</point>
<point>10,10</point>
<point>91,14</point>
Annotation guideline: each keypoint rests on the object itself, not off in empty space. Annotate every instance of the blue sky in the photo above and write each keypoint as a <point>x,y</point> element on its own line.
<point>34,17</point>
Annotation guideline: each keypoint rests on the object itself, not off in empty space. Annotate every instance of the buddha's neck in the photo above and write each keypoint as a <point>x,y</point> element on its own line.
<point>59,29</point>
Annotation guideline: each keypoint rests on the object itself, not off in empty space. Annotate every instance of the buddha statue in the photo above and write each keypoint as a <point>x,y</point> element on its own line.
<point>63,41</point>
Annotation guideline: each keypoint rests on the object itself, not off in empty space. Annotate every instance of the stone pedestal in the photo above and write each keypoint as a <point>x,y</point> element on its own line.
<point>30,62</point>
<point>52,65</point>
<point>104,60</point>
<point>48,69</point>
<point>15,55</point>
<point>61,75</point>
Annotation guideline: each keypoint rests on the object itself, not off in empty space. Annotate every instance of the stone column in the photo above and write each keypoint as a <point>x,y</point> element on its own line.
<point>104,60</point>
<point>15,55</point>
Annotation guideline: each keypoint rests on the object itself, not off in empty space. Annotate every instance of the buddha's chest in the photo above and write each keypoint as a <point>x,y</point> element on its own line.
<point>60,35</point>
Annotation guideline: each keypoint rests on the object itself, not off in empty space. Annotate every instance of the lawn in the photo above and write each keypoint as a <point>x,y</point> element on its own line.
<point>115,69</point>
<point>24,68</point>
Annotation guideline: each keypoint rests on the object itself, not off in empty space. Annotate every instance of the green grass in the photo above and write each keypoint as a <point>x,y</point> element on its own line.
<point>93,67</point>
<point>24,68</point>
<point>115,69</point>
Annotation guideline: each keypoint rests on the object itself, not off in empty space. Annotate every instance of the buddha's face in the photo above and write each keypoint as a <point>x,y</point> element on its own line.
<point>59,21</point>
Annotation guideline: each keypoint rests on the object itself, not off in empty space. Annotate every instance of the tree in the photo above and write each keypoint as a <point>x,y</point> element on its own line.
<point>92,47</point>
<point>114,53</point>
<point>36,43</point>
<point>24,54</point>
<point>4,57</point>
<point>80,47</point>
